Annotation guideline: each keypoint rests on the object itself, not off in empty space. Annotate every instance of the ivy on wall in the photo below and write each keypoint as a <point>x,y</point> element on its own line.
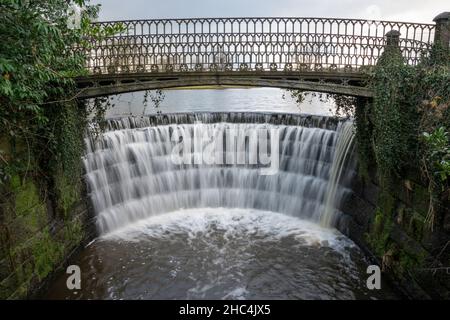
<point>404,133</point>
<point>410,118</point>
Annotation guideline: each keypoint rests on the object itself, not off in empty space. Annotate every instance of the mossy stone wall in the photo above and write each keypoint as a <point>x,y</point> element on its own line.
<point>37,234</point>
<point>410,253</point>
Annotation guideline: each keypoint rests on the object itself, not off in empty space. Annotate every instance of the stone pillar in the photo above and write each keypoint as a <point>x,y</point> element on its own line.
<point>392,38</point>
<point>392,49</point>
<point>442,34</point>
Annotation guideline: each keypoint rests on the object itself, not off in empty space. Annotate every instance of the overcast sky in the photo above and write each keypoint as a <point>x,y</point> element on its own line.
<point>397,10</point>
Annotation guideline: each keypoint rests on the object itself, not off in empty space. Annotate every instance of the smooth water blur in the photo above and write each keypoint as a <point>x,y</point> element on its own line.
<point>131,174</point>
<point>219,100</point>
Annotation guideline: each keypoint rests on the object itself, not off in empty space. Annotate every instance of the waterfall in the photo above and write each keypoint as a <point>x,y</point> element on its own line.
<point>131,174</point>
<point>341,153</point>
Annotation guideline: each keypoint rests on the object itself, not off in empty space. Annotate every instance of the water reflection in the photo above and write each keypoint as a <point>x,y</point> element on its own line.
<point>229,99</point>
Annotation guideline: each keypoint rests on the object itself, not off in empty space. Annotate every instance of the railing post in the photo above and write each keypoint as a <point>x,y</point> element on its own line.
<point>442,33</point>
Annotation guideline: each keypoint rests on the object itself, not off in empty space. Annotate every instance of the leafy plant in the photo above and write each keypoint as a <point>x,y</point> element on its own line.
<point>41,128</point>
<point>438,153</point>
<point>37,69</point>
<point>157,97</point>
<point>344,105</point>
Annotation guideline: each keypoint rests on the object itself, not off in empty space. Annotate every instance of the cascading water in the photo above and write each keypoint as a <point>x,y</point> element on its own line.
<point>131,173</point>
<point>333,198</point>
<point>217,230</point>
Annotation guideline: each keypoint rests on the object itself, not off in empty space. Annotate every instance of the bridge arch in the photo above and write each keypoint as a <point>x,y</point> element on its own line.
<point>102,85</point>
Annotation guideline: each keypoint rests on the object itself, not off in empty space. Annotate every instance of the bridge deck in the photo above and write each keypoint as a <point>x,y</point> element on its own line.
<point>318,54</point>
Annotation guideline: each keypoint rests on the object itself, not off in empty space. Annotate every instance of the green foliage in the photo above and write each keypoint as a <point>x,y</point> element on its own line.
<point>408,101</point>
<point>66,129</point>
<point>41,56</point>
<point>26,197</point>
<point>157,97</point>
<point>41,124</point>
<point>46,252</point>
<point>378,238</point>
<point>298,95</point>
<point>416,226</point>
<point>437,154</point>
<point>73,232</point>
<point>68,192</point>
<point>41,132</point>
<point>407,262</point>
<point>344,105</point>
<point>405,126</point>
<point>394,119</point>
<point>404,129</point>
<point>36,65</point>
<point>364,131</point>
<point>97,109</point>
<point>29,207</point>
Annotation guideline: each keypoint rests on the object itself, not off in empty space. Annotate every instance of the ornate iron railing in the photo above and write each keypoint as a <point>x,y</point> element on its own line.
<point>253,44</point>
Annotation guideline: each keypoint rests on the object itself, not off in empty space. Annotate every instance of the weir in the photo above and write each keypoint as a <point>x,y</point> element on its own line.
<point>131,174</point>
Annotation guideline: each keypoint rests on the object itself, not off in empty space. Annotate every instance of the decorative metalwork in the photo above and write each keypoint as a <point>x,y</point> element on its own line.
<point>243,66</point>
<point>154,68</point>
<point>288,67</point>
<point>169,68</point>
<point>259,66</point>
<point>214,67</point>
<point>253,44</point>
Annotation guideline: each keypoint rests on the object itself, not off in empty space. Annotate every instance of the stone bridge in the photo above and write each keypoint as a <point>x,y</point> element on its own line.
<point>313,54</point>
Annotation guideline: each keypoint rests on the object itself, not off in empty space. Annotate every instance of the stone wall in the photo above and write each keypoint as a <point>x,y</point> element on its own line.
<point>412,256</point>
<point>37,236</point>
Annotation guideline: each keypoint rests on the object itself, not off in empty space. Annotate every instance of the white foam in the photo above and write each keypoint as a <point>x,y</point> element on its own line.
<point>234,223</point>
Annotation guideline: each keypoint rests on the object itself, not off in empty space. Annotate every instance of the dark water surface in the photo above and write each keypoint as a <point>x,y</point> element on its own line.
<point>221,254</point>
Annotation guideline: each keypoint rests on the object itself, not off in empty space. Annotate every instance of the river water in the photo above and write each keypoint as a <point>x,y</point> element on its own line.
<point>230,99</point>
<point>214,232</point>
